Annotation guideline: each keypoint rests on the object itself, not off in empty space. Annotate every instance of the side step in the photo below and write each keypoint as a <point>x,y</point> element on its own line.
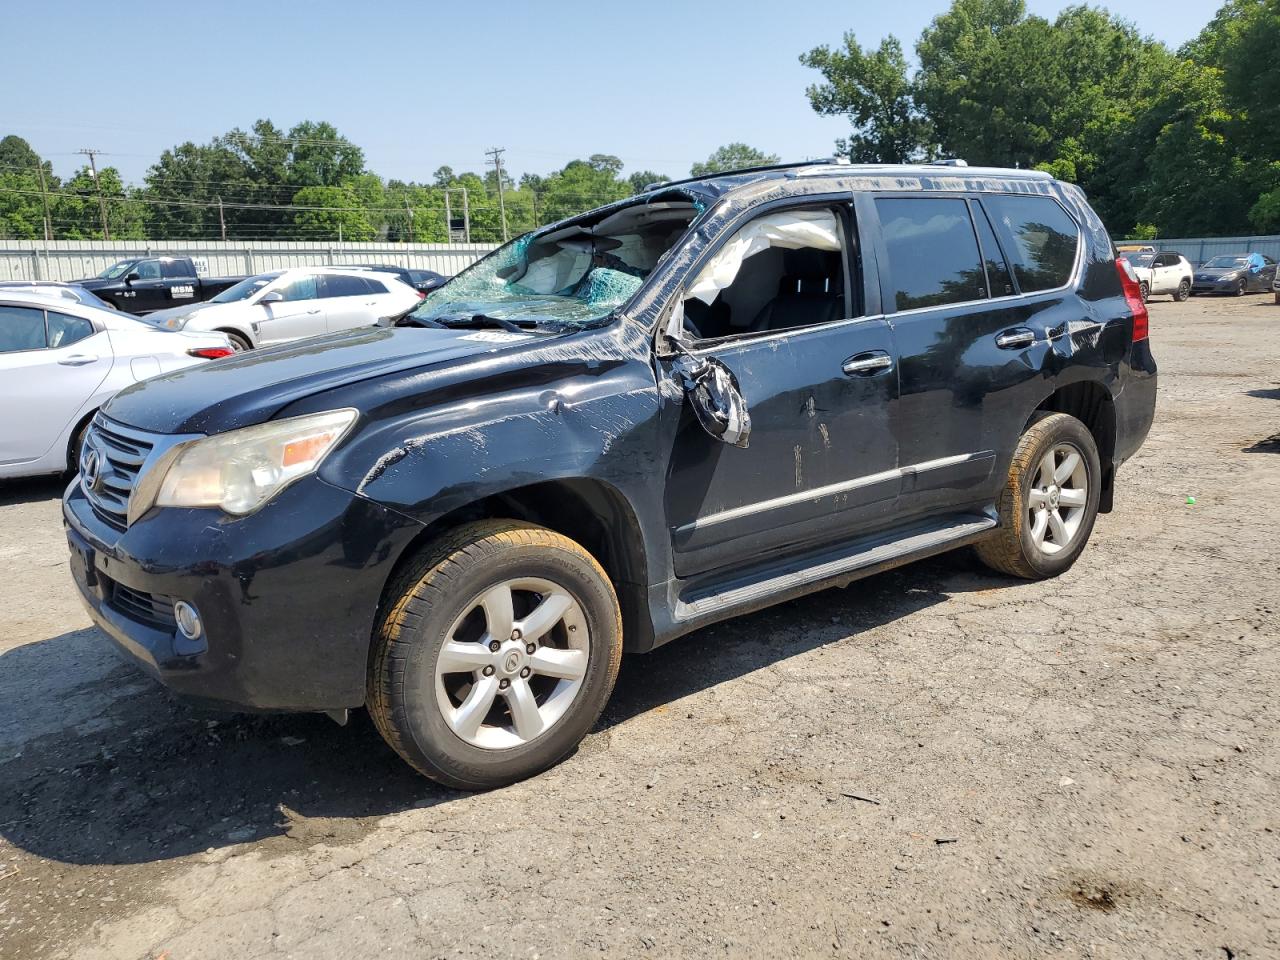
<point>860,559</point>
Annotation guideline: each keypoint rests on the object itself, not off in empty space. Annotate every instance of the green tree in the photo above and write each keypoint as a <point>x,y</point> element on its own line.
<point>872,89</point>
<point>642,178</point>
<point>21,207</point>
<point>732,156</point>
<point>333,213</point>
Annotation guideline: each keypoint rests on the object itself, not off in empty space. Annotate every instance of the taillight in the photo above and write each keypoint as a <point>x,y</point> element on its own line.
<point>211,353</point>
<point>1133,297</point>
<point>421,294</point>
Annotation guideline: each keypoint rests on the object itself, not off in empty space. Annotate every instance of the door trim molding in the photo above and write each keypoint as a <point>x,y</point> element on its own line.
<point>844,486</point>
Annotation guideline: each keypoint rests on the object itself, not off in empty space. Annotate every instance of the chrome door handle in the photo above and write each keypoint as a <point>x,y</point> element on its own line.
<point>1014,339</point>
<point>865,363</point>
<point>78,359</point>
<point>316,310</point>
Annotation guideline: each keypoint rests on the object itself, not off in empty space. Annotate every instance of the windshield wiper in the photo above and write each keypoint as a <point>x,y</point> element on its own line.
<point>483,320</point>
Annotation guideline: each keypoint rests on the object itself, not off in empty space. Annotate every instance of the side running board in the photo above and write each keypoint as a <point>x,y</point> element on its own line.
<point>830,568</point>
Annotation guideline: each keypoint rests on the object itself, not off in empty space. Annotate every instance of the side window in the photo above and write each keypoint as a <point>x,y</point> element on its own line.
<point>339,285</point>
<point>999,283</point>
<point>1041,239</point>
<point>175,269</point>
<point>300,288</point>
<point>147,269</point>
<point>781,271</point>
<point>21,328</point>
<point>375,286</point>
<point>933,252</point>
<point>65,330</point>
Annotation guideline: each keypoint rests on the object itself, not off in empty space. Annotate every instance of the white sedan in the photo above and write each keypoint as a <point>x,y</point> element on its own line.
<point>60,361</point>
<point>290,304</point>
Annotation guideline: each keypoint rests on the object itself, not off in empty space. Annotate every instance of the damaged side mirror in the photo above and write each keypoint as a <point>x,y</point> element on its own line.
<point>716,399</point>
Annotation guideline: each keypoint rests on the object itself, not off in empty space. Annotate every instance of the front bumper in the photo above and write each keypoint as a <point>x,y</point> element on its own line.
<point>287,595</point>
<point>1215,286</point>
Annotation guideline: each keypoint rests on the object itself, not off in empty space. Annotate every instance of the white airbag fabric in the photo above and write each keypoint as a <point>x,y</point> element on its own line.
<point>800,230</point>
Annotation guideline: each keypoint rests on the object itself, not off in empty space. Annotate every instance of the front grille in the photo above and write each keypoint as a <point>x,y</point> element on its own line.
<point>120,453</point>
<point>146,608</point>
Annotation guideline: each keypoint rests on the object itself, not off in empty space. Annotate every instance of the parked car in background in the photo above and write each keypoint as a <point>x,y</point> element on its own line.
<point>55,288</point>
<point>1235,274</point>
<point>1160,273</point>
<point>290,304</point>
<point>424,281</point>
<point>427,280</point>
<point>1275,286</point>
<point>60,361</point>
<point>144,284</point>
<point>613,431</point>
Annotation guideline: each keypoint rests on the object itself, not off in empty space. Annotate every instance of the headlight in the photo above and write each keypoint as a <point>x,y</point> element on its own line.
<point>175,323</point>
<point>241,470</point>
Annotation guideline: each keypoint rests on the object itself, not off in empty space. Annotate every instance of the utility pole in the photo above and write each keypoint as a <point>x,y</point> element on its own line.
<point>222,220</point>
<point>497,153</point>
<point>44,195</point>
<point>102,204</point>
<point>409,210</point>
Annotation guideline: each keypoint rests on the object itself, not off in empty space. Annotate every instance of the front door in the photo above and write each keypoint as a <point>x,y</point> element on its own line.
<point>46,375</point>
<point>819,381</point>
<point>301,313</point>
<point>147,291</point>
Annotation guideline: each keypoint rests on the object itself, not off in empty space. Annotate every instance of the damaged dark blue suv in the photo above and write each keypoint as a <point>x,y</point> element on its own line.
<point>708,398</point>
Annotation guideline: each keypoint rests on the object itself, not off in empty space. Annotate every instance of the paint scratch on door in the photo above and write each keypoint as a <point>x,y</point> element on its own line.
<point>799,467</point>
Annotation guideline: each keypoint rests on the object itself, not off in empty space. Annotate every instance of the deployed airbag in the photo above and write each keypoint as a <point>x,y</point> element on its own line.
<point>796,230</point>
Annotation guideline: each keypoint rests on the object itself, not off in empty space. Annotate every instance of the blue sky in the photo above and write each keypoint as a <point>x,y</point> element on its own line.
<point>659,84</point>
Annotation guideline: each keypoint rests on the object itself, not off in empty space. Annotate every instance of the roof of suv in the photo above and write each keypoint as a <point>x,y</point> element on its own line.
<point>718,184</point>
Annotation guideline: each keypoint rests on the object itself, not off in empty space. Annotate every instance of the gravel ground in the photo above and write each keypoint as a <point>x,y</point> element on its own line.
<point>934,762</point>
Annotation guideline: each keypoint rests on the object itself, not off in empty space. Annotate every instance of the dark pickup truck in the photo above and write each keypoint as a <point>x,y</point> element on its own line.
<point>681,407</point>
<point>146,284</point>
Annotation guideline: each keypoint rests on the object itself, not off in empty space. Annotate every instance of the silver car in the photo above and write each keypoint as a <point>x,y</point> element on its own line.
<point>291,304</point>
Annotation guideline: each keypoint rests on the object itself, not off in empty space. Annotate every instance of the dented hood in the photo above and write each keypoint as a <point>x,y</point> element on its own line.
<point>251,387</point>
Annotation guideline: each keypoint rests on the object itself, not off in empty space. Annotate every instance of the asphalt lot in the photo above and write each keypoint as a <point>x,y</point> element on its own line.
<point>934,762</point>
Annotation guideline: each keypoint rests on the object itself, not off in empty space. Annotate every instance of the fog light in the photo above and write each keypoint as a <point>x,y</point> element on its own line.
<point>188,620</point>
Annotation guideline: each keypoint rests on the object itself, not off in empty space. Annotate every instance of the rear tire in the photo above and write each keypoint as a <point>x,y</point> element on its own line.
<point>1184,291</point>
<point>1046,521</point>
<point>452,686</point>
<point>1146,291</point>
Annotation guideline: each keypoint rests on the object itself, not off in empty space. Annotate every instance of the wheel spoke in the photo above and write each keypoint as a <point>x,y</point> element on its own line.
<point>468,717</point>
<point>498,612</point>
<point>457,657</point>
<point>524,709</point>
<point>545,616</point>
<point>1039,524</point>
<point>1066,468</point>
<point>565,664</point>
<point>1038,498</point>
<point>1072,498</point>
<point>1047,470</point>
<point>1060,535</point>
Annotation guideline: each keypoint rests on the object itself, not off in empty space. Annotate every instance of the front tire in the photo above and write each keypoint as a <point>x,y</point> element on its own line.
<point>1049,502</point>
<point>498,649</point>
<point>1184,291</point>
<point>239,343</point>
<point>1242,287</point>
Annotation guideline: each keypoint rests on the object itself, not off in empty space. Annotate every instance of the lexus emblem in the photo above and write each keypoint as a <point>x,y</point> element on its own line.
<point>90,469</point>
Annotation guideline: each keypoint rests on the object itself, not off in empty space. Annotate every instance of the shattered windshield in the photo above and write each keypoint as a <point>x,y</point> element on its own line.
<point>564,276</point>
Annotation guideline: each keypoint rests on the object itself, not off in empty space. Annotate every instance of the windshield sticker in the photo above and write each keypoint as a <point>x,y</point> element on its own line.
<point>496,336</point>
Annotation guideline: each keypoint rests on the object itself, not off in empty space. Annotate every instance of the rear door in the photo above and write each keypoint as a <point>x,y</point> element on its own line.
<point>50,364</point>
<point>181,281</point>
<point>349,300</point>
<point>973,334</point>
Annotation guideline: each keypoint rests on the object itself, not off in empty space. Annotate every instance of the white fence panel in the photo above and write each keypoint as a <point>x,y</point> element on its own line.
<point>77,259</point>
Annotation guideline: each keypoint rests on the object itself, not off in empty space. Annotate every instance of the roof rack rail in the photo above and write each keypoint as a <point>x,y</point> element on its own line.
<point>949,162</point>
<point>842,161</point>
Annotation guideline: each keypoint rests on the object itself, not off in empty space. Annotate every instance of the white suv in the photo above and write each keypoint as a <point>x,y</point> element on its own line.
<point>1161,273</point>
<point>290,304</point>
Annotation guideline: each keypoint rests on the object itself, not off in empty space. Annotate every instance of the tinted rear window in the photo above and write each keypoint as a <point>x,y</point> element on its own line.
<point>337,285</point>
<point>175,269</point>
<point>1039,237</point>
<point>933,254</point>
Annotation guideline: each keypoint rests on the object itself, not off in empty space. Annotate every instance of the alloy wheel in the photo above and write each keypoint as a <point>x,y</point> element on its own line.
<point>1058,498</point>
<point>512,663</point>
